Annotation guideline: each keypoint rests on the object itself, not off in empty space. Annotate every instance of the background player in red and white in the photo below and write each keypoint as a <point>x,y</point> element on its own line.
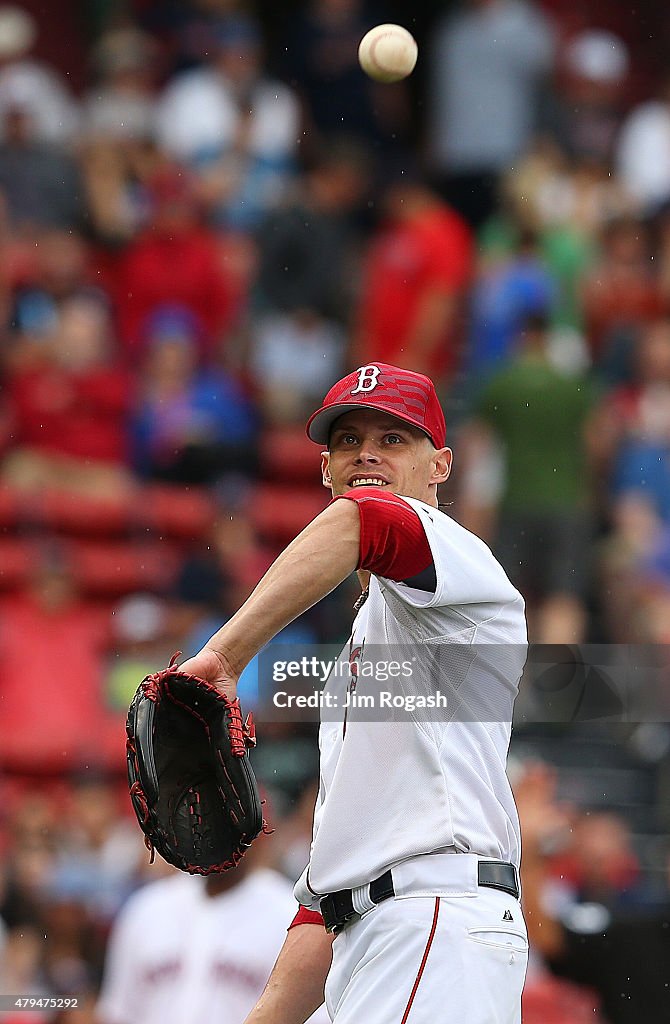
<point>185,949</point>
<point>415,828</point>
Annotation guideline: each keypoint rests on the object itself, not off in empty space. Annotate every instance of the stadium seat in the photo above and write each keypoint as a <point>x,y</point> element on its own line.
<point>16,559</point>
<point>78,514</point>
<point>279,511</point>
<point>286,453</point>
<point>115,568</point>
<point>175,511</point>
<point>10,508</point>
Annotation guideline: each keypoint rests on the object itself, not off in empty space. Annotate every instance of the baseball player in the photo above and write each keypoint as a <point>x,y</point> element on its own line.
<point>409,907</point>
<point>185,950</point>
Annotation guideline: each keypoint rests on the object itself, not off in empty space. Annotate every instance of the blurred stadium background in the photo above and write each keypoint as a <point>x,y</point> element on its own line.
<point>207,214</point>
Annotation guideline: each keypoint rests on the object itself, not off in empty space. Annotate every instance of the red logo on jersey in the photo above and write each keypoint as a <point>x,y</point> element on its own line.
<point>355,656</point>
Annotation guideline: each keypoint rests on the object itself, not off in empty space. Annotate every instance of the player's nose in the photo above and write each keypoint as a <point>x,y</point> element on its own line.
<point>368,453</point>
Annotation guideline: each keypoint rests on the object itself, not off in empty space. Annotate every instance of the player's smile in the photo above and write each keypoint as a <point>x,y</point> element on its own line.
<point>367,481</point>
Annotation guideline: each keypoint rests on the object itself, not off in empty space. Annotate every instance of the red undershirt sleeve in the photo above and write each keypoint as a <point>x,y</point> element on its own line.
<point>306,916</point>
<point>393,541</point>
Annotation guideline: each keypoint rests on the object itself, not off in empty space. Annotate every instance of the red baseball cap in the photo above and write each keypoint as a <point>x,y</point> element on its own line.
<point>402,393</point>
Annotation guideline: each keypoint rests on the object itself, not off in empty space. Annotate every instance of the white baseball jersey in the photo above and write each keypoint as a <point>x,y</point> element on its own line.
<point>395,789</point>
<point>179,956</point>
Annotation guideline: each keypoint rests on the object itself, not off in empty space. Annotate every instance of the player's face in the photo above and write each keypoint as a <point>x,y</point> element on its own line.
<point>373,449</point>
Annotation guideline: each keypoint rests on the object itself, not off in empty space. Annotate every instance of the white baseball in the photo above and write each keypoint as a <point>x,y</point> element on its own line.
<point>388,53</point>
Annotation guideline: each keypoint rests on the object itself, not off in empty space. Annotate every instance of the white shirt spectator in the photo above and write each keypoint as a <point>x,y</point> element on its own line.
<point>297,353</point>
<point>198,113</point>
<point>179,956</point>
<point>486,64</point>
<point>643,157</point>
<point>38,90</point>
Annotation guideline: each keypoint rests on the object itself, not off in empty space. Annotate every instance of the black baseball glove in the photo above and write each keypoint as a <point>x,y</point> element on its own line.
<point>191,781</point>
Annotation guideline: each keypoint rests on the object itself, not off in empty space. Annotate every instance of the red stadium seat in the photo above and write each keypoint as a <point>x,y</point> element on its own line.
<point>115,568</point>
<point>174,511</point>
<point>10,508</point>
<point>16,560</point>
<point>79,514</point>
<point>287,454</point>
<point>279,511</point>
<point>53,658</point>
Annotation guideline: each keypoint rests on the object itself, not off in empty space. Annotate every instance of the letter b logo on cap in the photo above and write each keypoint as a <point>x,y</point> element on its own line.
<point>367,379</point>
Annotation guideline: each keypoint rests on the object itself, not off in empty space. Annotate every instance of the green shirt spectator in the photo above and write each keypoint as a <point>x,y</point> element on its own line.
<point>544,531</point>
<point>539,416</point>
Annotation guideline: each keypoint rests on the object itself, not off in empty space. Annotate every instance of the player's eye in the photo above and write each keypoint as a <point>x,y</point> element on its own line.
<point>349,439</point>
<point>393,439</point>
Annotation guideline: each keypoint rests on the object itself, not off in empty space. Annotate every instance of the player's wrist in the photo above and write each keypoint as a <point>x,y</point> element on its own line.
<point>225,656</point>
<point>229,667</point>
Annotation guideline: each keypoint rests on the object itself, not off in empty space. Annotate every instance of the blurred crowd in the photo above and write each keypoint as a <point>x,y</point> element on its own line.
<point>222,218</point>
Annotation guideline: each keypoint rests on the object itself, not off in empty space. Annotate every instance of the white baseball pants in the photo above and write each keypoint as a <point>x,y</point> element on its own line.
<point>432,959</point>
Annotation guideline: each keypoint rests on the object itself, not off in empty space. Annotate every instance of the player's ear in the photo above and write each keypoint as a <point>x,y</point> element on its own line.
<point>442,460</point>
<point>325,470</point>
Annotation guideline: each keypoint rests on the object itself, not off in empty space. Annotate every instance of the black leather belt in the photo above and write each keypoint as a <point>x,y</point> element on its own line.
<point>337,908</point>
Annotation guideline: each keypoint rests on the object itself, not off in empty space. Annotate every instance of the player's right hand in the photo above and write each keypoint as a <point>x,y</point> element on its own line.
<point>209,665</point>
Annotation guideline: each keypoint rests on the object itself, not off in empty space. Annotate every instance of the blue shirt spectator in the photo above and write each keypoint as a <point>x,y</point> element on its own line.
<point>504,296</point>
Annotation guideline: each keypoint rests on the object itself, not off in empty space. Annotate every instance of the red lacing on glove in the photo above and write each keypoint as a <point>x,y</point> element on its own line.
<point>225,865</point>
<point>137,791</point>
<point>151,686</point>
<point>236,729</point>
